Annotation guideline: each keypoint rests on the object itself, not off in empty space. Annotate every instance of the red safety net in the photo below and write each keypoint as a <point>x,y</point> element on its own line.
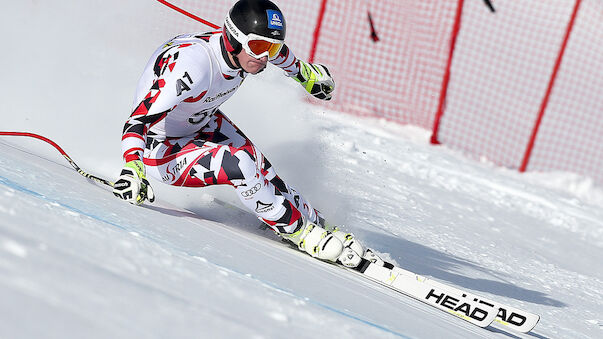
<point>389,59</point>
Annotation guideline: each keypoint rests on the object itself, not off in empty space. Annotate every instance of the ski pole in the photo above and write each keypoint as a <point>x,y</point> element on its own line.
<point>63,153</point>
<point>190,15</point>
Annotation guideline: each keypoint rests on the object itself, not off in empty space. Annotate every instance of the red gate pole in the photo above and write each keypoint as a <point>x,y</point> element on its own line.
<point>545,100</point>
<point>321,14</point>
<point>190,15</point>
<point>63,153</point>
<point>455,32</point>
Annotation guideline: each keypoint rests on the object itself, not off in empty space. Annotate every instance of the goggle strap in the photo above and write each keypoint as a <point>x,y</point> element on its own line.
<point>227,41</point>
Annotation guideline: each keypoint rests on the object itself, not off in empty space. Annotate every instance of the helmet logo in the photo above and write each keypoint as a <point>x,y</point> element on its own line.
<point>275,20</point>
<point>231,27</point>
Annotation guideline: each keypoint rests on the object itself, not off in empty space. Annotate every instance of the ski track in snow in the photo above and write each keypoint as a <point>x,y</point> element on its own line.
<point>91,221</point>
<point>14,248</point>
<point>19,250</point>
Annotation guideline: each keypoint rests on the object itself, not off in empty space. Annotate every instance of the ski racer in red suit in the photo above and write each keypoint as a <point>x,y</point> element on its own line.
<point>178,135</point>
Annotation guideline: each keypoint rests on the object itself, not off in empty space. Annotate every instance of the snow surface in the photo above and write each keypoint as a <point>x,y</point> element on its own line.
<point>77,263</point>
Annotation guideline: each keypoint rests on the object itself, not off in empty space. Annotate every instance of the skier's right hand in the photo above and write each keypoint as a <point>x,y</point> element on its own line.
<point>132,185</point>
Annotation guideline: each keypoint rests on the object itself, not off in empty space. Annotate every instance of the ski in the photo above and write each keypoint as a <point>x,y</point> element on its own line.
<point>447,300</point>
<point>467,306</point>
<point>508,317</point>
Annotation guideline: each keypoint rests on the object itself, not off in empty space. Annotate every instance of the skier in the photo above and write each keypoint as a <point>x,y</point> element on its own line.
<point>177,134</point>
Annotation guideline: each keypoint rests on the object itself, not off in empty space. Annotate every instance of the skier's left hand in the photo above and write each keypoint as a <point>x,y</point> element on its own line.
<point>132,185</point>
<point>316,79</point>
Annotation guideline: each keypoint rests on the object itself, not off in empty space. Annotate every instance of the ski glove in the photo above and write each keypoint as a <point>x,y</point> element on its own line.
<point>132,185</point>
<point>316,79</point>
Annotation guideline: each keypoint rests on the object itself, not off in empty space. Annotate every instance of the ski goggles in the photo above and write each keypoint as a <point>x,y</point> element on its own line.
<point>255,45</point>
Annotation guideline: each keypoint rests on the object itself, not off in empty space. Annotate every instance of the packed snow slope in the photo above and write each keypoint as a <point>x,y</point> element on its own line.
<point>76,262</point>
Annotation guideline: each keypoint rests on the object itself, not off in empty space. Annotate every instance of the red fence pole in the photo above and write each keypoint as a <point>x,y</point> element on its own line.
<point>321,14</point>
<point>443,92</point>
<point>545,100</point>
<point>190,15</point>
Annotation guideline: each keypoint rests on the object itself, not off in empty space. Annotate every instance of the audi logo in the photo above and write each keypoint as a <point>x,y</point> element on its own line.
<point>251,191</point>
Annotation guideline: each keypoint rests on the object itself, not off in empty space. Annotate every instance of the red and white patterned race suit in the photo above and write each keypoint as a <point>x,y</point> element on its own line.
<point>183,138</point>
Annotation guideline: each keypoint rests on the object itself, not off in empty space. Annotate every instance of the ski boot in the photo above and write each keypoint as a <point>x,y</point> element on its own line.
<point>330,244</point>
<point>353,251</point>
<point>316,241</point>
